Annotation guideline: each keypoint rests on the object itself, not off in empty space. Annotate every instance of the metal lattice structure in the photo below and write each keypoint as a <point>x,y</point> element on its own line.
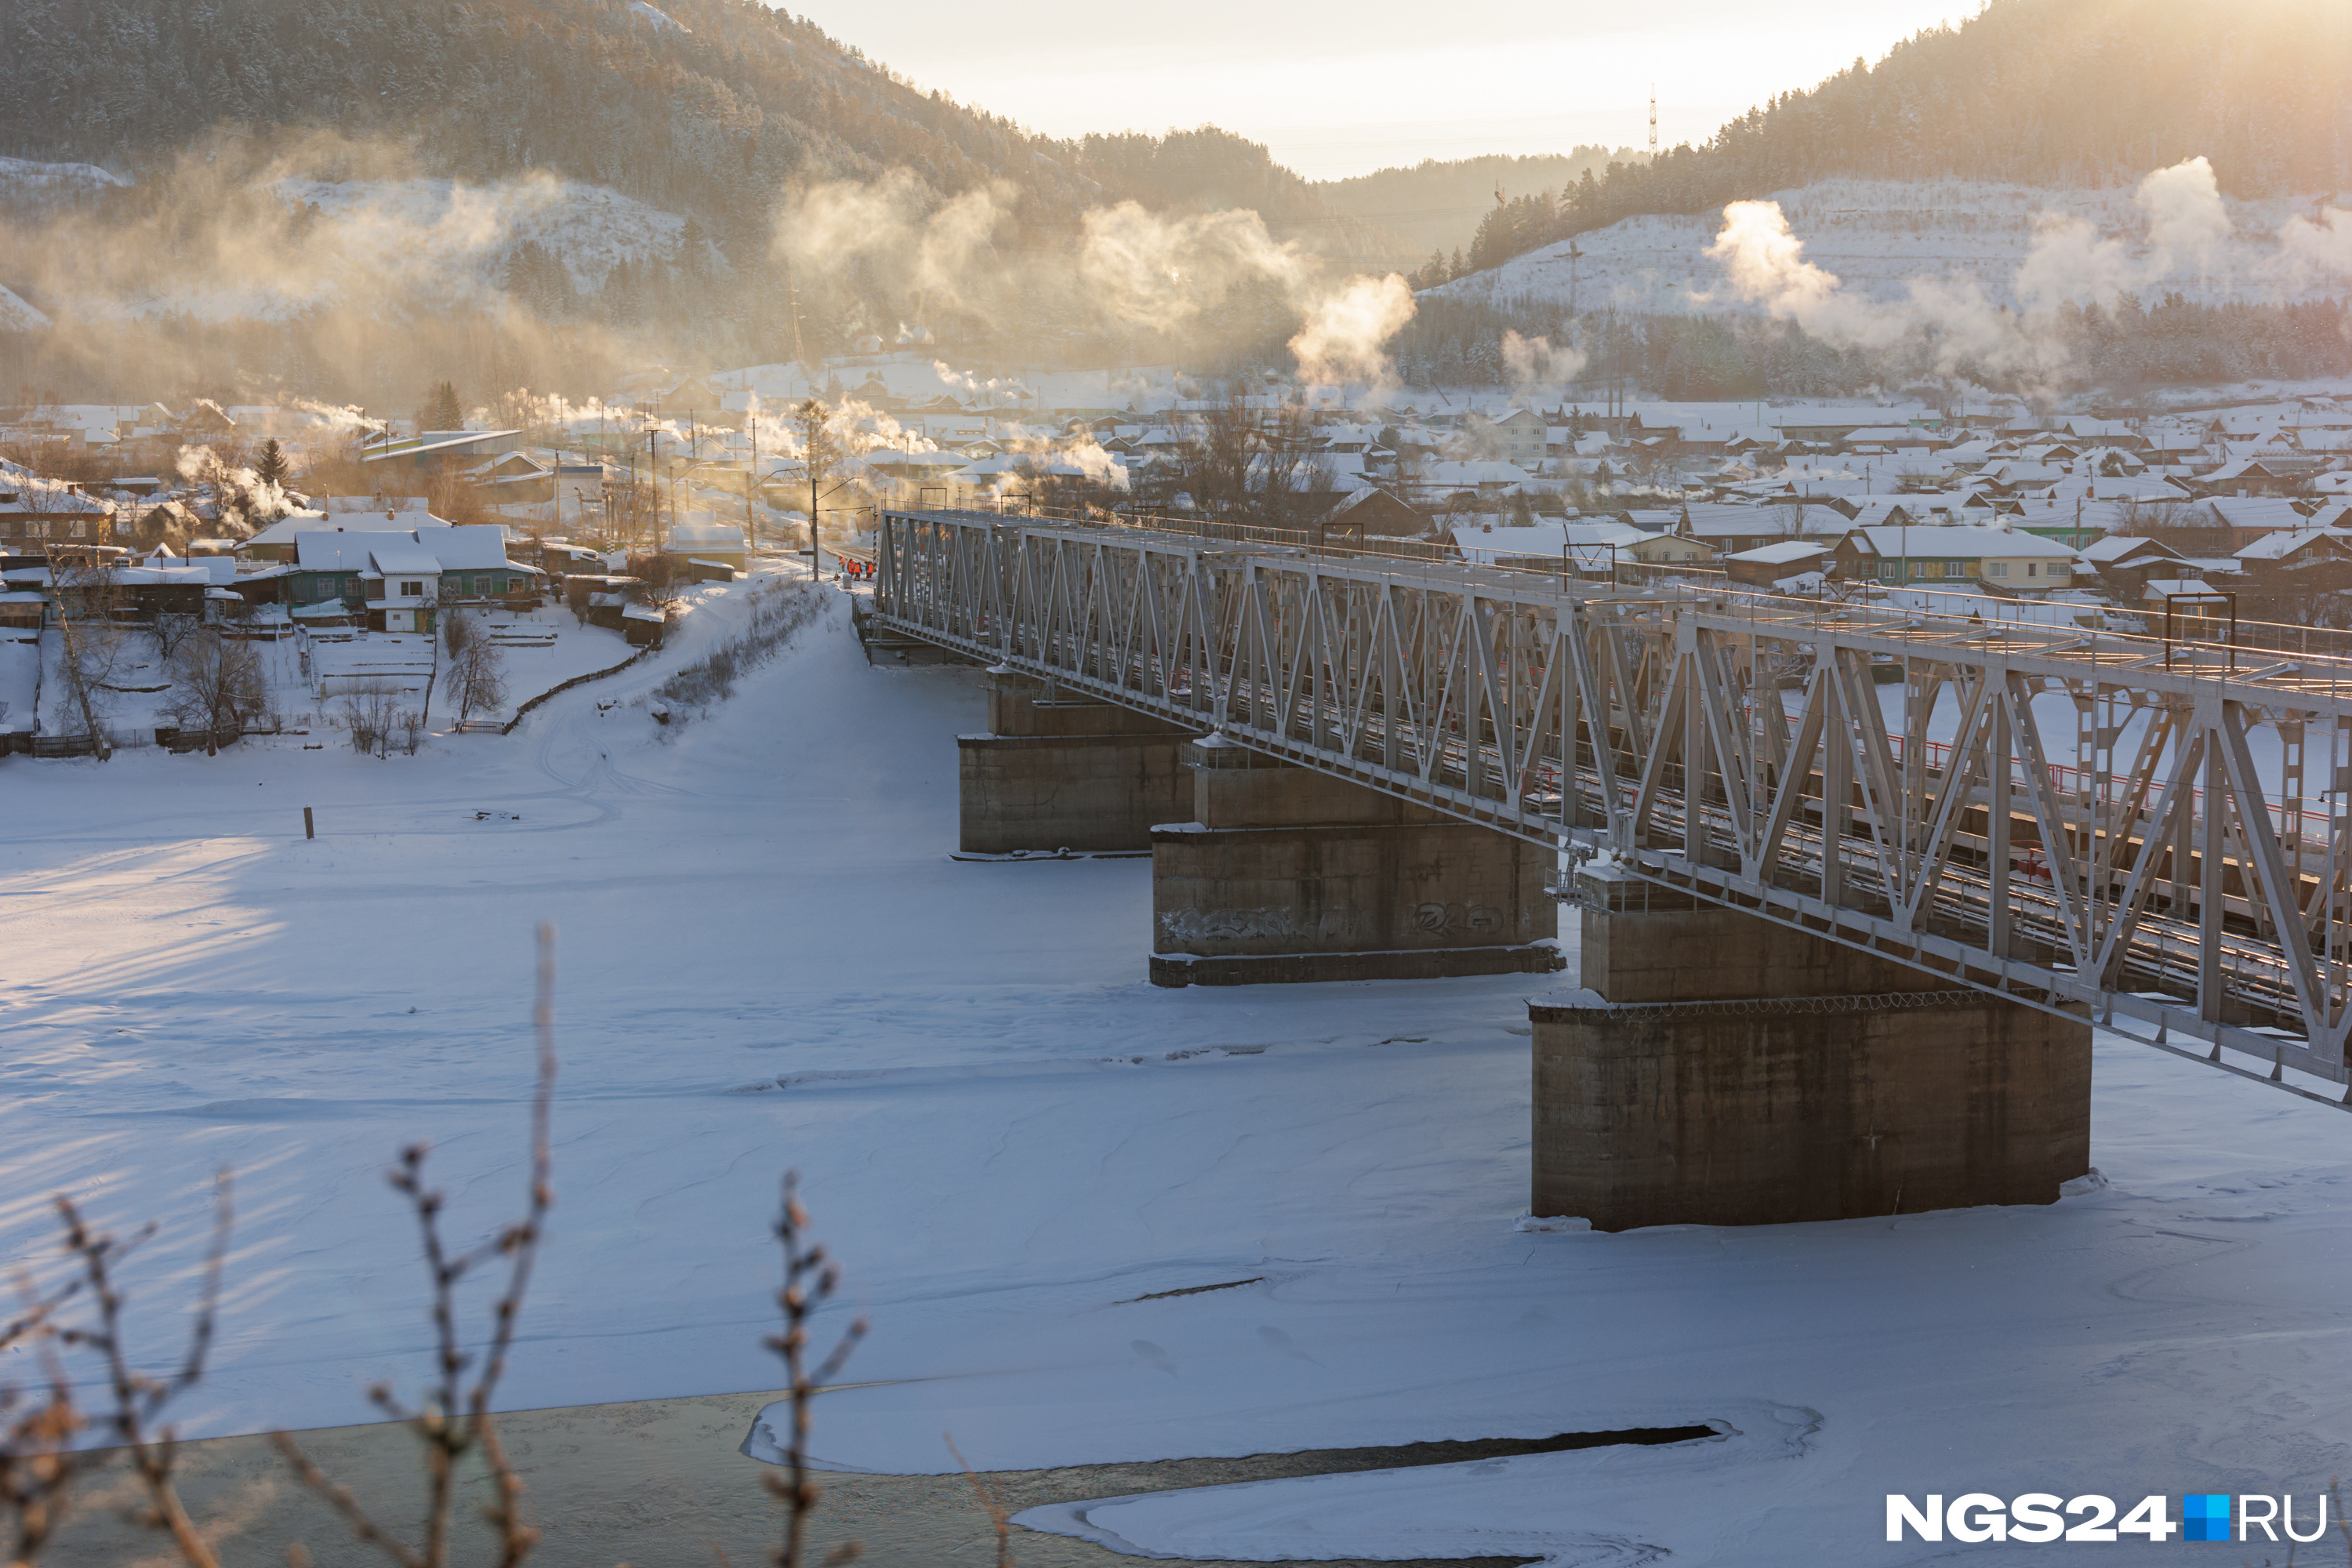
<point>2155,827</point>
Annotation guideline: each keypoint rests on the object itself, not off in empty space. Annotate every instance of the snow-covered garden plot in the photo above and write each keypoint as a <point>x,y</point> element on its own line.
<point>769,961</point>
<point>311,678</point>
<point>20,686</point>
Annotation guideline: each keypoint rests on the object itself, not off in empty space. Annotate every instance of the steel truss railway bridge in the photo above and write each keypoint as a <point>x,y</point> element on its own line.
<point>2063,819</point>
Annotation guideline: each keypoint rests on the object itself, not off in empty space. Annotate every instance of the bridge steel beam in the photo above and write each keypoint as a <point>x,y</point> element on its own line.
<point>2057,815</point>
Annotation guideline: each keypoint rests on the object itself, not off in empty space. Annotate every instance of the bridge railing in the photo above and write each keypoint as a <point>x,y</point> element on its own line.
<point>1952,607</point>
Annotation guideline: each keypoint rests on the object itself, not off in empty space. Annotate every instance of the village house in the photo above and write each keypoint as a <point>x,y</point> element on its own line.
<point>1942,557</point>
<point>1373,512</point>
<point>337,514</point>
<point>2249,518</point>
<point>436,449</point>
<point>393,581</point>
<point>2286,570</point>
<point>1769,564</point>
<point>2124,562</point>
<point>1669,550</point>
<point>1725,528</point>
<point>699,539</point>
<point>1582,547</point>
<point>1519,436</point>
<point>36,510</point>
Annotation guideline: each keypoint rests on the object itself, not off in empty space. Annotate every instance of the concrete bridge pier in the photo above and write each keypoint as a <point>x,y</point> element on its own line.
<point>1717,1069</point>
<point>1058,771</point>
<point>1287,874</point>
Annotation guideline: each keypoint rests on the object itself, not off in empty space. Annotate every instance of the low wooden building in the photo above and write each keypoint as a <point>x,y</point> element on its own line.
<point>1769,564</point>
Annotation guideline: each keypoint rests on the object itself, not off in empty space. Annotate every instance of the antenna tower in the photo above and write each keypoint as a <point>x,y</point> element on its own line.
<point>1654,122</point>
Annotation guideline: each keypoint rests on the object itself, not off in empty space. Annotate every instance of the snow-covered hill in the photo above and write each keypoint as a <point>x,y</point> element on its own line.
<point>449,228</point>
<point>2017,245</point>
<point>388,247</point>
<point>24,182</point>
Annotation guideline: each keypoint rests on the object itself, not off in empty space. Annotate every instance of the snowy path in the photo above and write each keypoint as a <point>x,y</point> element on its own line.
<point>1007,1134</point>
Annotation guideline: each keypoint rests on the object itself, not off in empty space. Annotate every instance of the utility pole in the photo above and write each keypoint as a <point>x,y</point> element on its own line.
<point>1654,122</point>
<point>653,481</point>
<point>751,478</point>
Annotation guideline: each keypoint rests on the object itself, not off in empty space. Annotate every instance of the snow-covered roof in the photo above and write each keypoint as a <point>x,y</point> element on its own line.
<point>2115,547</point>
<point>706,536</point>
<point>467,549</point>
<point>1727,519</point>
<point>405,557</point>
<point>24,492</point>
<point>2257,511</point>
<point>162,576</point>
<point>1475,473</point>
<point>1961,540</point>
<point>218,569</point>
<point>1785,553</point>
<point>1482,544</point>
<point>413,507</point>
<point>333,549</point>
<point>2280,543</point>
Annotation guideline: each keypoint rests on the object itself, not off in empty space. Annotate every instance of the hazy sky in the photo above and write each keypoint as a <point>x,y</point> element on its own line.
<point>1342,89</point>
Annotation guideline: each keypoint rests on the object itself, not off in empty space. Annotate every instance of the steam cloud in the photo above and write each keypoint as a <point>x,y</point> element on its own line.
<point>2188,226</point>
<point>396,277</point>
<point>1538,367</point>
<point>248,501</point>
<point>1342,339</point>
<point>1132,267</point>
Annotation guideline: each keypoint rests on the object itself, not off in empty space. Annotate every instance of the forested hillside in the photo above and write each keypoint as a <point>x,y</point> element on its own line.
<point>345,193</point>
<point>1437,204</point>
<point>708,108</point>
<point>2053,92</point>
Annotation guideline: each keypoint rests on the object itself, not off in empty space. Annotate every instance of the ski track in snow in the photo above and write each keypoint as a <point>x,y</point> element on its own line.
<point>767,961</point>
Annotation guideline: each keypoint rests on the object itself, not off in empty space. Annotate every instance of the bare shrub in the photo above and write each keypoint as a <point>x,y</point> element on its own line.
<point>91,644</point>
<point>217,684</point>
<point>477,667</point>
<point>372,715</point>
<point>173,627</point>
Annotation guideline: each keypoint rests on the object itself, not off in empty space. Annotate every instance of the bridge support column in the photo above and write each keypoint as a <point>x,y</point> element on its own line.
<point>1717,1069</point>
<point>1062,772</point>
<point>1287,874</point>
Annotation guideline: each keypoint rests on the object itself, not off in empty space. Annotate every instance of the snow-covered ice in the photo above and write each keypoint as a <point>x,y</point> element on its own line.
<point>768,960</point>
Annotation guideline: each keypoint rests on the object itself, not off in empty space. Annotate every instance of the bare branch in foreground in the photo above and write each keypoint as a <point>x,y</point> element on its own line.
<point>141,1398</point>
<point>989,1504</point>
<point>453,1418</point>
<point>810,1278</point>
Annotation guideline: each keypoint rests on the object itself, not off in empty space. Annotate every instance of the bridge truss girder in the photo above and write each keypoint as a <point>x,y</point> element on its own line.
<point>2080,819</point>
